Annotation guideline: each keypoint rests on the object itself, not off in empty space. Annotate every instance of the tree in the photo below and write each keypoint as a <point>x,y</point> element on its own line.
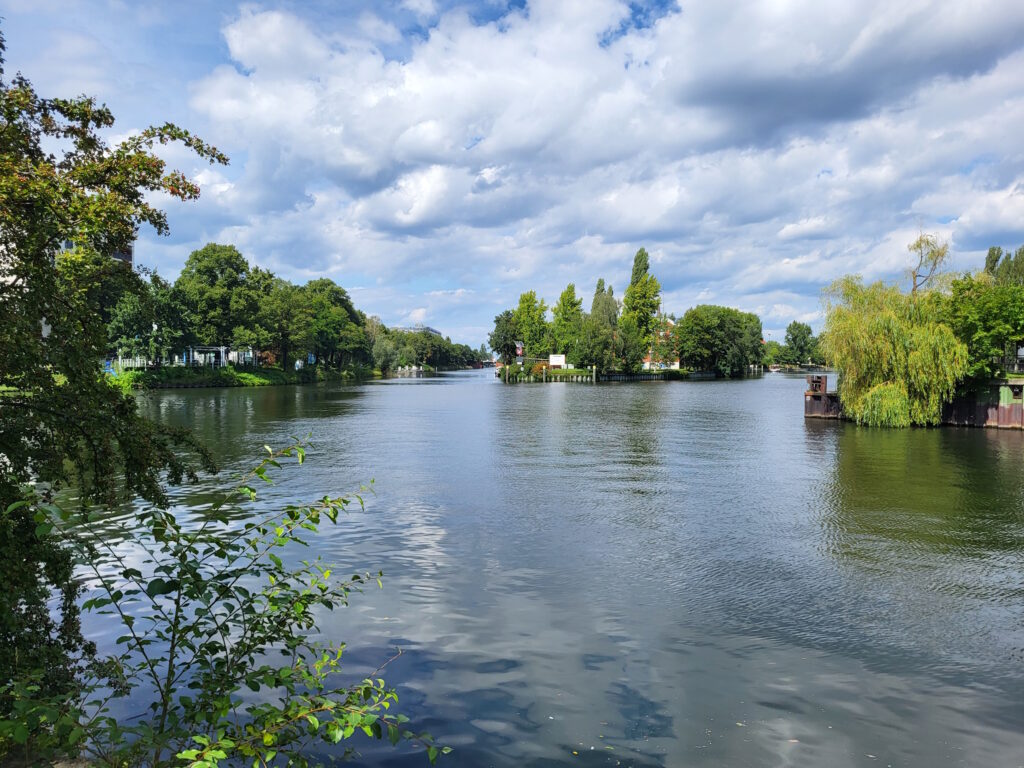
<point>504,336</point>
<point>799,342</point>
<point>631,345</point>
<point>1005,269</point>
<point>596,345</point>
<point>214,287</point>
<point>61,422</point>
<point>643,297</point>
<point>532,324</point>
<point>332,313</point>
<point>287,319</point>
<point>931,255</point>
<point>897,361</point>
<point>988,318</point>
<point>719,339</point>
<point>567,322</point>
<point>604,308</point>
<point>641,266</point>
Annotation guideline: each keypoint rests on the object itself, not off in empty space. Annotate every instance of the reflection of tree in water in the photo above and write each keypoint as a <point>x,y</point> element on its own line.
<point>925,492</point>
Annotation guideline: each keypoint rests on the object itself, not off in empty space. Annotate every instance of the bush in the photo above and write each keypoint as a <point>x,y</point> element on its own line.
<point>538,369</point>
<point>202,617</point>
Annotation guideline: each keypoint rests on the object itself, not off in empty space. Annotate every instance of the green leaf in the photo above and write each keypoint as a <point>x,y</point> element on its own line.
<point>159,586</point>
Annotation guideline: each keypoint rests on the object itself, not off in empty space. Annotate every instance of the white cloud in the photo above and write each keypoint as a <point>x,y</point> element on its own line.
<point>757,150</point>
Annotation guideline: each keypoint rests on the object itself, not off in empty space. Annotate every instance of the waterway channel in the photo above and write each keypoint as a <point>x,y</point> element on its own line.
<point>659,574</point>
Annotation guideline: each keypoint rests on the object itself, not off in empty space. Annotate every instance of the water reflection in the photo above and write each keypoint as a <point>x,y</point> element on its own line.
<point>661,574</point>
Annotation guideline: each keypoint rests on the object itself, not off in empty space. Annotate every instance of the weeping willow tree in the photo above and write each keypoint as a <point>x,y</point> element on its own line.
<point>897,362</point>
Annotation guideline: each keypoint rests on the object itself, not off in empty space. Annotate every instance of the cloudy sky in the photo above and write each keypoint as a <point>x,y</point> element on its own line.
<point>438,158</point>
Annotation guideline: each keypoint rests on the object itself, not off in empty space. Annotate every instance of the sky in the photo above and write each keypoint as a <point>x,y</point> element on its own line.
<point>438,158</point>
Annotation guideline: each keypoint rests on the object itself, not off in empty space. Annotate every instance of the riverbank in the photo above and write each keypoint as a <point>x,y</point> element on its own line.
<point>177,377</point>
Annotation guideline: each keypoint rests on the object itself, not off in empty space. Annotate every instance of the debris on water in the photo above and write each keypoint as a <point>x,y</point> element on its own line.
<point>794,741</point>
<point>741,725</point>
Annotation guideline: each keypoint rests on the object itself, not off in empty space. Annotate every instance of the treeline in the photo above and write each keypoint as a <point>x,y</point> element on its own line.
<point>220,300</point>
<point>619,335</point>
<point>901,356</point>
<point>800,347</point>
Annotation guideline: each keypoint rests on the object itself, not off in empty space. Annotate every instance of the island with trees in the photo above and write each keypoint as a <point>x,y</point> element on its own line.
<point>630,335</point>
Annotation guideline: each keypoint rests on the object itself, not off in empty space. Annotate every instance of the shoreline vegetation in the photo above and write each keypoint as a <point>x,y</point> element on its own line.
<point>635,335</point>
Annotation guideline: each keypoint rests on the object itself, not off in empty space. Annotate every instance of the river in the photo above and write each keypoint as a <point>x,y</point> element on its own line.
<point>659,574</point>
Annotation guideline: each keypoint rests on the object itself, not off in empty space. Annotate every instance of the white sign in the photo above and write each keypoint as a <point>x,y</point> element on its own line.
<point>556,361</point>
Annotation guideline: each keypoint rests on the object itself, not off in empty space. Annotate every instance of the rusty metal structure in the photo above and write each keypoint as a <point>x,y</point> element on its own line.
<point>819,403</point>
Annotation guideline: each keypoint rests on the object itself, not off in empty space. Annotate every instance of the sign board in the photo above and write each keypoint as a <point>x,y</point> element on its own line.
<point>556,361</point>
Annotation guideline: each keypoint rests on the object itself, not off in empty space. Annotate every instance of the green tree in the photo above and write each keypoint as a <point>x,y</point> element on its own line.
<point>61,422</point>
<point>213,287</point>
<point>604,308</point>
<point>504,336</point>
<point>531,321</point>
<point>567,324</point>
<point>799,342</point>
<point>332,314</point>
<point>988,318</point>
<point>641,266</point>
<point>931,255</point>
<point>597,345</point>
<point>1005,269</point>
<point>631,346</point>
<point>643,298</point>
<point>898,363</point>
<point>287,319</point>
<point>719,339</point>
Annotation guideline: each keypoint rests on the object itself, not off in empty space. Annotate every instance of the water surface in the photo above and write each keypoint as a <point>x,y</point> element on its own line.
<point>661,574</point>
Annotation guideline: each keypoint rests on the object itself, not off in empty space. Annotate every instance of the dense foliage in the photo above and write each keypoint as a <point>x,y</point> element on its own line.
<point>219,299</point>
<point>987,315</point>
<point>898,361</point>
<point>622,337</point>
<point>720,339</point>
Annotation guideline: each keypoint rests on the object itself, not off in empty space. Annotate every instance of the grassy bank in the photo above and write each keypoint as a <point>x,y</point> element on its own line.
<point>229,376</point>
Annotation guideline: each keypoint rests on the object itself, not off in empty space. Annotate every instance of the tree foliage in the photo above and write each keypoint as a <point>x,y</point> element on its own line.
<point>719,339</point>
<point>1005,268</point>
<point>643,298</point>
<point>988,317</point>
<point>61,422</point>
<point>567,323</point>
<point>531,322</point>
<point>604,307</point>
<point>898,362</point>
<point>931,255</point>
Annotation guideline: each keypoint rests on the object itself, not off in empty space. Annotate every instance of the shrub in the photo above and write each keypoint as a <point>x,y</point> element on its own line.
<point>202,615</point>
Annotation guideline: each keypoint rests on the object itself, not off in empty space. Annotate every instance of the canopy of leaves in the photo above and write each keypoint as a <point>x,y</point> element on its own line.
<point>60,420</point>
<point>719,339</point>
<point>898,363</point>
<point>988,317</point>
<point>604,307</point>
<point>531,321</point>
<point>1005,269</point>
<point>567,323</point>
<point>643,297</point>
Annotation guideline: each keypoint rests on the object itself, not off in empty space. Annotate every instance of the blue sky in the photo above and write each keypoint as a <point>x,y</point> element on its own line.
<point>439,158</point>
